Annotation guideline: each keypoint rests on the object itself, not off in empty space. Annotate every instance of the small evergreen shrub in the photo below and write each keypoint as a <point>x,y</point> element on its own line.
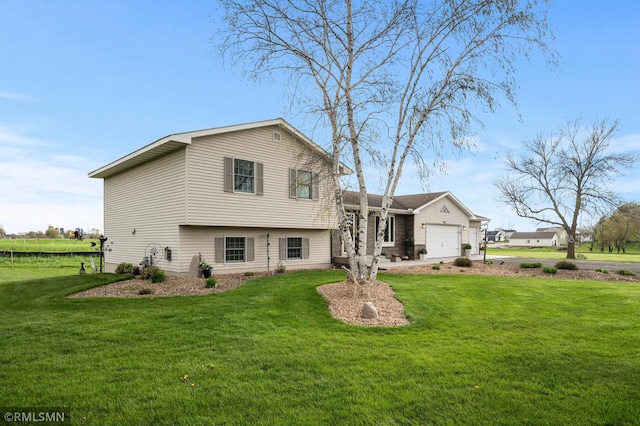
<point>489,262</point>
<point>625,272</point>
<point>464,262</point>
<point>435,267</point>
<point>249,274</point>
<point>144,291</point>
<point>124,268</point>
<point>210,282</point>
<point>549,270</point>
<point>604,271</point>
<point>563,264</point>
<point>158,277</point>
<point>531,265</point>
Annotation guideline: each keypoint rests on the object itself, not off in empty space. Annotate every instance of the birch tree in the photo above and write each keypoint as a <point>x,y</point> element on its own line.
<point>559,177</point>
<point>393,82</point>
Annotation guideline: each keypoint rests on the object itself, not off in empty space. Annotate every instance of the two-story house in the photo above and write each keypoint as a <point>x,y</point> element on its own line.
<point>244,198</point>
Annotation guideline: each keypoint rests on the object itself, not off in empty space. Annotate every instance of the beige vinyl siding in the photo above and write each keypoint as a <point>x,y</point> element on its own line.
<point>197,240</point>
<point>210,205</point>
<point>434,215</point>
<point>150,199</point>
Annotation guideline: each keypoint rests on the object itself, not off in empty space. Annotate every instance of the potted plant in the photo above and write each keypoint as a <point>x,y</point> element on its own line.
<point>205,268</point>
<point>422,253</point>
<point>467,250</point>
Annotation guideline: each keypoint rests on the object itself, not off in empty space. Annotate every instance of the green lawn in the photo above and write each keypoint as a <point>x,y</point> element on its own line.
<point>480,350</point>
<point>632,253</point>
<point>33,267</point>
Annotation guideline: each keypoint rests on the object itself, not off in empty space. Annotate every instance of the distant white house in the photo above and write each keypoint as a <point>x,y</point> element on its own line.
<point>543,237</point>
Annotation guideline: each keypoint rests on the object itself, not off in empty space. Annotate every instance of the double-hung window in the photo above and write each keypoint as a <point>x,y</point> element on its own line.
<point>389,231</point>
<point>294,248</point>
<point>303,184</point>
<point>235,249</point>
<point>243,175</point>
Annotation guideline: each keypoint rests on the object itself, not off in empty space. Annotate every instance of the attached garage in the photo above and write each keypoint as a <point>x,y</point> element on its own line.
<point>443,241</point>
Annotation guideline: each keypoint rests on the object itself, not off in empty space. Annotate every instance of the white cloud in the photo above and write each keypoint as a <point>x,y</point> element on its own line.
<point>38,188</point>
<point>14,96</point>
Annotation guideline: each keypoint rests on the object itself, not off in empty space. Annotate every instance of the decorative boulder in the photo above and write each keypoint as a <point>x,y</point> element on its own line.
<point>194,270</point>
<point>369,311</point>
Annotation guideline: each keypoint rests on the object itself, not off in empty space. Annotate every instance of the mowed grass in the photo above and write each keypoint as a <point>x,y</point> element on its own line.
<point>632,253</point>
<point>47,244</point>
<point>34,267</point>
<point>480,350</point>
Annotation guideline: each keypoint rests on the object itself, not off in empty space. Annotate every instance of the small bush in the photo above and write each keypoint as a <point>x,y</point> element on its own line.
<point>563,264</point>
<point>464,262</point>
<point>435,267</point>
<point>549,270</point>
<point>604,271</point>
<point>531,265</point>
<point>210,282</point>
<point>136,271</point>
<point>249,274</point>
<point>144,291</point>
<point>148,272</point>
<point>124,268</point>
<point>625,272</point>
<point>158,277</point>
<point>581,257</point>
<point>489,262</point>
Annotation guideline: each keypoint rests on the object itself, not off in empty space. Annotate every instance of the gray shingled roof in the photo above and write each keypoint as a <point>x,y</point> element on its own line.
<point>532,235</point>
<point>401,202</point>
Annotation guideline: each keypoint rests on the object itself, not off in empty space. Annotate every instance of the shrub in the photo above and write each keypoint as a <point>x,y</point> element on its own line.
<point>464,262</point>
<point>136,271</point>
<point>423,251</point>
<point>124,268</point>
<point>549,270</point>
<point>625,272</point>
<point>563,264</point>
<point>489,262</point>
<point>144,291</point>
<point>249,274</point>
<point>210,282</point>
<point>468,247</point>
<point>531,265</point>
<point>158,277</point>
<point>148,272</point>
<point>581,257</point>
<point>604,271</point>
<point>435,267</point>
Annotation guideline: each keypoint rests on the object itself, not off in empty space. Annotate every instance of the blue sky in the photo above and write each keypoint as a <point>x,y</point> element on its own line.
<point>83,83</point>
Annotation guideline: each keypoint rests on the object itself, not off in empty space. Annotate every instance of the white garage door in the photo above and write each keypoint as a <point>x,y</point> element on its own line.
<point>443,241</point>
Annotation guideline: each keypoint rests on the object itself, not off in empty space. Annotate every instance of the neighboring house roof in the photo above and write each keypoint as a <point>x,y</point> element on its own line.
<point>531,235</point>
<point>407,203</point>
<point>176,141</point>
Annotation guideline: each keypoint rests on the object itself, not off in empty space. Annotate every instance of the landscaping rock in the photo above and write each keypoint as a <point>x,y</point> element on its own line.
<point>194,267</point>
<point>369,311</point>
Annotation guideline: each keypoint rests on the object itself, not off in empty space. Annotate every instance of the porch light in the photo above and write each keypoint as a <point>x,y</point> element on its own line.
<point>424,225</point>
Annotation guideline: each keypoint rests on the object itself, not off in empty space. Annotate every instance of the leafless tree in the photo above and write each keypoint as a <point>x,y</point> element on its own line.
<point>392,81</point>
<point>557,178</point>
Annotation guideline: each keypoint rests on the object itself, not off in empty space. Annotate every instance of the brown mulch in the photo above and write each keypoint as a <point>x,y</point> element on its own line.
<point>345,299</point>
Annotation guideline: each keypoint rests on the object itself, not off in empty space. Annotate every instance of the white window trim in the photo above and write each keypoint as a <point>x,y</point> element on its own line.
<point>235,262</point>
<point>294,259</point>
<point>388,243</point>
<point>234,178</point>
